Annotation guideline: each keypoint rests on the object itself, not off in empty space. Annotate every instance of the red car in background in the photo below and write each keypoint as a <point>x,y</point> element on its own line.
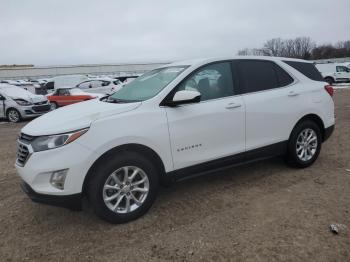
<point>68,96</point>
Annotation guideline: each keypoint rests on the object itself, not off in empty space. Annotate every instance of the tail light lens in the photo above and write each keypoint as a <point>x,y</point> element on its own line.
<point>329,90</point>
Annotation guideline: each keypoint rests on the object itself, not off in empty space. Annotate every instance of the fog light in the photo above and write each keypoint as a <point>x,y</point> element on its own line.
<point>58,177</point>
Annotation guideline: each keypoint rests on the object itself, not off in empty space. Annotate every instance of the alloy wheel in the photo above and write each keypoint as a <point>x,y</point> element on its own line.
<point>13,116</point>
<point>126,189</point>
<point>306,145</point>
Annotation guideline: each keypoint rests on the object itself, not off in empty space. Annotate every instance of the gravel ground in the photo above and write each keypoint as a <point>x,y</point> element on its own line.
<point>260,212</point>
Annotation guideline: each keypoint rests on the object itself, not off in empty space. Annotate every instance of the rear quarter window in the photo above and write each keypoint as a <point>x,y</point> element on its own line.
<point>307,69</point>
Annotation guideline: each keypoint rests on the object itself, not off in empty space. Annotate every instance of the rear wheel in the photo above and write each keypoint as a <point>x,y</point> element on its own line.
<point>304,144</point>
<point>13,115</point>
<point>329,80</point>
<point>54,105</point>
<point>123,187</point>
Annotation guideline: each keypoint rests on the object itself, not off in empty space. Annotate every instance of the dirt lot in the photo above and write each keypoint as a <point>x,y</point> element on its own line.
<point>261,212</point>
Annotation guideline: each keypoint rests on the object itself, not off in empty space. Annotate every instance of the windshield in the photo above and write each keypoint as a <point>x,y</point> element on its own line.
<point>147,85</point>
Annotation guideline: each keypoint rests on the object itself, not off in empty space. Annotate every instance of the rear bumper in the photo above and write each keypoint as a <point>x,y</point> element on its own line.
<point>73,202</point>
<point>328,132</point>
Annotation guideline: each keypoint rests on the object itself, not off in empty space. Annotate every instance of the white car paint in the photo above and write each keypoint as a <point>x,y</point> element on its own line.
<point>68,80</point>
<point>336,71</point>
<point>211,129</point>
<point>100,85</point>
<point>11,93</point>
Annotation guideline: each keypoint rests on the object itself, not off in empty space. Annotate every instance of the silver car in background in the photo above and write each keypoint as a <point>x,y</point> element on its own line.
<point>17,104</point>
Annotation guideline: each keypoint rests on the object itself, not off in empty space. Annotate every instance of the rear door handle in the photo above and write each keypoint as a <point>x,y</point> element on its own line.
<point>233,105</point>
<point>293,93</point>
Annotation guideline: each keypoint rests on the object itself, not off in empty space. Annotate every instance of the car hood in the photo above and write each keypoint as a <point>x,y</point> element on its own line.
<point>19,93</point>
<point>75,117</point>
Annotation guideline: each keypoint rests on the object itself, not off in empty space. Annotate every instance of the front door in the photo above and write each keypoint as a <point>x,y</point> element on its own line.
<point>213,128</point>
<point>342,74</point>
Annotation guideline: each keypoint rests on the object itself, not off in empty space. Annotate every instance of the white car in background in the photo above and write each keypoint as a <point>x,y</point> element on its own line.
<point>100,85</point>
<point>17,103</point>
<point>334,72</point>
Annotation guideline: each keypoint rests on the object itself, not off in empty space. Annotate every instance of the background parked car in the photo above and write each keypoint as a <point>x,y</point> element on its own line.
<point>17,103</point>
<point>68,96</point>
<point>101,85</point>
<point>334,72</point>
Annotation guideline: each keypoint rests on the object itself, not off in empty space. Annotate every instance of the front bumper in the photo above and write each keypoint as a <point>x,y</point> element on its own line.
<point>38,167</point>
<point>73,202</point>
<point>34,110</point>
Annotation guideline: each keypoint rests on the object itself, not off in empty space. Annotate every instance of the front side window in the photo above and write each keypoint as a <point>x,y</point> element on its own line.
<point>212,81</point>
<point>63,92</point>
<point>257,75</point>
<point>147,85</point>
<point>342,69</point>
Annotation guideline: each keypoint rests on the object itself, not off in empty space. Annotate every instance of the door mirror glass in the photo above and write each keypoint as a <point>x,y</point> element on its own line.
<point>186,96</point>
<point>2,98</point>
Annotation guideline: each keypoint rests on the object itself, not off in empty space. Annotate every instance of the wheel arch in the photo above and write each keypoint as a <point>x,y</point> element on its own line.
<point>315,118</point>
<point>137,148</point>
<point>330,77</point>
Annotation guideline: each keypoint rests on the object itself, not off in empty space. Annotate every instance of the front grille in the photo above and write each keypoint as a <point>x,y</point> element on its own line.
<point>42,108</point>
<point>40,103</point>
<point>22,154</point>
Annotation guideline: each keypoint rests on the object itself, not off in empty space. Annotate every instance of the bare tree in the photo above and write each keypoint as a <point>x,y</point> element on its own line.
<point>300,47</point>
<point>275,46</point>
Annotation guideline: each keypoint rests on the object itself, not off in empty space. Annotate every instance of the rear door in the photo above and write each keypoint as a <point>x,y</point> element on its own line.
<point>272,99</point>
<point>62,97</point>
<point>213,128</point>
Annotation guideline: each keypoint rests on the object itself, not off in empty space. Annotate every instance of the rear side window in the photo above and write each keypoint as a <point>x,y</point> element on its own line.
<point>307,69</point>
<point>257,75</point>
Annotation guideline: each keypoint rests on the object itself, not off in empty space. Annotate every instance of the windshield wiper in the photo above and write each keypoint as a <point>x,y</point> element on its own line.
<point>117,101</point>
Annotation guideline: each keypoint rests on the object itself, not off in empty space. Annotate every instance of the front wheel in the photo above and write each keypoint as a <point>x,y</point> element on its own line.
<point>123,187</point>
<point>304,144</point>
<point>13,115</point>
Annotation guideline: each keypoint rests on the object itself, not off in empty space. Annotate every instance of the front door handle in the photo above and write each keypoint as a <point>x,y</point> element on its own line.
<point>233,105</point>
<point>293,93</point>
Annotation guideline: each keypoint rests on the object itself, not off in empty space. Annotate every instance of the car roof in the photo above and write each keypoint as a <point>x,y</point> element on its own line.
<point>201,61</point>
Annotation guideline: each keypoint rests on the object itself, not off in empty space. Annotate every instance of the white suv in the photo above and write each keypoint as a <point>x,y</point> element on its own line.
<point>176,121</point>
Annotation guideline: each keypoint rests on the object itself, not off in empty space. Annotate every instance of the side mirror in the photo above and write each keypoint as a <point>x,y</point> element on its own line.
<point>185,97</point>
<point>2,98</point>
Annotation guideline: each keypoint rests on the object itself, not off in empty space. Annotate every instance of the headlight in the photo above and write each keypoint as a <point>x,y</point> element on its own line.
<point>22,102</point>
<point>49,142</point>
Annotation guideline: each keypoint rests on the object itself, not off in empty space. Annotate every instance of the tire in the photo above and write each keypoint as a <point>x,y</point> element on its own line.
<point>329,80</point>
<point>102,181</point>
<point>13,115</point>
<point>297,144</point>
<point>54,105</point>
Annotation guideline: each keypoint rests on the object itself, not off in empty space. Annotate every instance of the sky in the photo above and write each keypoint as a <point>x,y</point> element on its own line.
<point>63,32</point>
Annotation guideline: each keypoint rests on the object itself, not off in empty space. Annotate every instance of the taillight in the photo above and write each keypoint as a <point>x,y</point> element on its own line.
<point>329,90</point>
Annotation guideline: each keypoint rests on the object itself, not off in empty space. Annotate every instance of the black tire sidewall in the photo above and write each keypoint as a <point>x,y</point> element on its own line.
<point>55,104</point>
<point>329,80</point>
<point>19,115</point>
<point>103,171</point>
<point>292,154</point>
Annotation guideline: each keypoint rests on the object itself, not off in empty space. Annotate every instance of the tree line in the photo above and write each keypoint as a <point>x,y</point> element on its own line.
<point>300,47</point>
